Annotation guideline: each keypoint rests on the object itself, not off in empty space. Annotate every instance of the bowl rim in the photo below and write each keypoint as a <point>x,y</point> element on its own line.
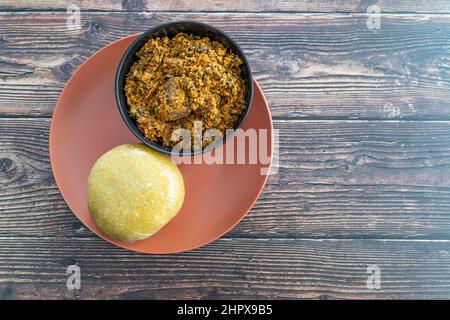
<point>123,110</point>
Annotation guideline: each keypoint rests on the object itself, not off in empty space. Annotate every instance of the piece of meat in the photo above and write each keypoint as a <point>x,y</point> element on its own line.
<point>173,101</point>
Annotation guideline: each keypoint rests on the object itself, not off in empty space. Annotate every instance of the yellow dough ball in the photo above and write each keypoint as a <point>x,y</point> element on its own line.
<point>133,191</point>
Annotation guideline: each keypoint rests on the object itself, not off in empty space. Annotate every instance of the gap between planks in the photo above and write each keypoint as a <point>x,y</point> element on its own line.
<point>267,239</point>
<point>12,117</point>
<point>248,12</point>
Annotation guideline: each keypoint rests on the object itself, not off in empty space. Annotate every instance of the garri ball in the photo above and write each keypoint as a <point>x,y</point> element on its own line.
<point>134,191</point>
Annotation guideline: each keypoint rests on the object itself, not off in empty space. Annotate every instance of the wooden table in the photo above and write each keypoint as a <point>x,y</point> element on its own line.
<point>364,177</point>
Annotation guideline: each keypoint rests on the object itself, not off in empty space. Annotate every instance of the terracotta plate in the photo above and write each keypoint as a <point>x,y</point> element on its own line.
<point>86,124</point>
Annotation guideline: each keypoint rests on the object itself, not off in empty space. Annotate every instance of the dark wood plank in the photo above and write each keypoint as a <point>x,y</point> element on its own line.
<point>309,66</point>
<point>35,268</point>
<point>327,6</point>
<point>337,179</point>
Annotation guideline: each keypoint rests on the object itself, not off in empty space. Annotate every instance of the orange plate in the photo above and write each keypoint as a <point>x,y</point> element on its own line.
<point>86,124</point>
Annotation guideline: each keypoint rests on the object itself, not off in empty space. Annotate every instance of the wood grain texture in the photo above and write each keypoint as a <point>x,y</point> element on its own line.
<point>228,268</point>
<point>309,66</point>
<point>364,171</point>
<point>337,179</point>
<point>326,6</point>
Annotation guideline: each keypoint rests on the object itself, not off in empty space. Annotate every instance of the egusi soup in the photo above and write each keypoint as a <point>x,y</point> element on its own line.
<point>176,82</point>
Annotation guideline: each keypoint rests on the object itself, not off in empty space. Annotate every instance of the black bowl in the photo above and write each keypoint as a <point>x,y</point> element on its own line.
<point>170,30</point>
